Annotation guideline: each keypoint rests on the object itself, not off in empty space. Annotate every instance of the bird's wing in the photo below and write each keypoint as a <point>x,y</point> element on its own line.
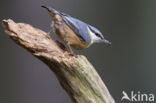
<point>80,28</point>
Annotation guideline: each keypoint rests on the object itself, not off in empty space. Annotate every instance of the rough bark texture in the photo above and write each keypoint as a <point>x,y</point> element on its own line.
<point>75,74</point>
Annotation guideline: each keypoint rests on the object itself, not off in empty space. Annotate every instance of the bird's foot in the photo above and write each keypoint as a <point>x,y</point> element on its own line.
<point>71,53</point>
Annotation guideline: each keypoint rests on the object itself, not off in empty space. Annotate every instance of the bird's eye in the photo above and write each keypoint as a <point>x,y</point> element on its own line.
<point>98,35</point>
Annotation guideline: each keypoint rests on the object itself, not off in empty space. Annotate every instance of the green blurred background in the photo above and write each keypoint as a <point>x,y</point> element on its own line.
<point>129,64</point>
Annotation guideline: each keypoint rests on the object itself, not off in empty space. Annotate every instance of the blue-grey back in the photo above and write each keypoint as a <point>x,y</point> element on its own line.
<point>79,27</point>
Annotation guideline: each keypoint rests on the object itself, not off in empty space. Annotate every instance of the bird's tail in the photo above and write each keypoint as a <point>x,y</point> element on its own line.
<point>51,10</point>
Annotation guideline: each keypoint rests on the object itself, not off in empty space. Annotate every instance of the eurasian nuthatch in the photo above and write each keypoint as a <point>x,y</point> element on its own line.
<point>73,32</point>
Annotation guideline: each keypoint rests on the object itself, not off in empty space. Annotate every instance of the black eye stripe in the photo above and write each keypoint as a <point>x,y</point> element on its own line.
<point>98,35</point>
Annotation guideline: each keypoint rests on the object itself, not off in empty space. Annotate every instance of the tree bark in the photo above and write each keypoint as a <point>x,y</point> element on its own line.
<point>75,74</point>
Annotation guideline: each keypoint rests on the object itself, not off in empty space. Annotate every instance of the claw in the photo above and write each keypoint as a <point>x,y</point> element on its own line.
<point>71,53</point>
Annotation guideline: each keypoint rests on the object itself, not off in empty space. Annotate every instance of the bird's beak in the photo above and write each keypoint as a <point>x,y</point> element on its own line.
<point>107,42</point>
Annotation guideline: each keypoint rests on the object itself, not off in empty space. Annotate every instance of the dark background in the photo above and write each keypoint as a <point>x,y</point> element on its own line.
<point>129,65</point>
